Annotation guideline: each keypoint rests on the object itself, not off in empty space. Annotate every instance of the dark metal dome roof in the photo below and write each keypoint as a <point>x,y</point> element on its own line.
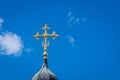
<point>44,73</point>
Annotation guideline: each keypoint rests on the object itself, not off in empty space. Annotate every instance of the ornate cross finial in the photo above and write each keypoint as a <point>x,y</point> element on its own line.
<point>45,35</point>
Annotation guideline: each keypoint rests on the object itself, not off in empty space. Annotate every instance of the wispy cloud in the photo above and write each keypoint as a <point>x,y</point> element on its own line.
<point>70,13</point>
<point>73,20</point>
<point>10,44</point>
<point>28,50</point>
<point>71,40</point>
<point>1,22</point>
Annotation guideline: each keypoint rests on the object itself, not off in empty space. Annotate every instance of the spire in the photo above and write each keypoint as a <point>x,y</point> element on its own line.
<point>45,73</point>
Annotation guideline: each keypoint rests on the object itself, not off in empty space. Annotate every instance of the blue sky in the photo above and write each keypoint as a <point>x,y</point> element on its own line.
<point>88,46</point>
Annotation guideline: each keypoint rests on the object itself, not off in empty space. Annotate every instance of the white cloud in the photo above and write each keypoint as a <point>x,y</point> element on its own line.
<point>71,40</point>
<point>28,50</point>
<point>70,13</point>
<point>84,19</point>
<point>10,44</point>
<point>73,20</point>
<point>77,21</point>
<point>1,22</point>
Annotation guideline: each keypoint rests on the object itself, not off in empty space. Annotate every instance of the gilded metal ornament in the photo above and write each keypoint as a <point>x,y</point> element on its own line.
<point>45,35</point>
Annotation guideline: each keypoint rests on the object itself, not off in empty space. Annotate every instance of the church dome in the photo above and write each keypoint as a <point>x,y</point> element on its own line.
<point>44,73</point>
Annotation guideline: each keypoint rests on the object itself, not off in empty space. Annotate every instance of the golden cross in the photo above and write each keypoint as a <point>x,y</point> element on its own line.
<point>45,35</point>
